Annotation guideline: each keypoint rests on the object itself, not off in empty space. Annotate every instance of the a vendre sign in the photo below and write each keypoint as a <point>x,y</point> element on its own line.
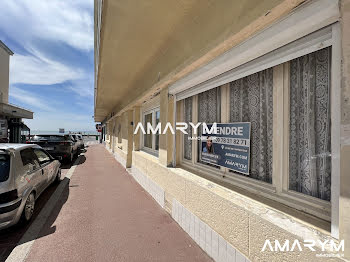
<point>222,144</point>
<point>229,146</point>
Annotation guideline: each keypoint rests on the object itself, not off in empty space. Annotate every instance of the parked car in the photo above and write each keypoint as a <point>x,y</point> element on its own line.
<point>60,146</point>
<point>80,141</point>
<point>25,172</point>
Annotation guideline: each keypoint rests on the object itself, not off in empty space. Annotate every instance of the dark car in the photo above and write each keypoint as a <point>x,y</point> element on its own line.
<point>60,146</point>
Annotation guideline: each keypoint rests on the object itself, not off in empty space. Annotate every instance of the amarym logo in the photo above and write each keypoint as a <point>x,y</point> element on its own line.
<point>296,245</point>
<point>181,126</point>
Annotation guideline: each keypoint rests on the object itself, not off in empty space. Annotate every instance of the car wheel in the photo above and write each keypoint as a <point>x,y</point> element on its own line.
<point>28,208</point>
<point>58,176</point>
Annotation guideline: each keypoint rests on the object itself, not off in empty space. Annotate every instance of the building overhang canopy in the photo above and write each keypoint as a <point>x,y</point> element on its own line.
<point>13,111</point>
<point>139,44</point>
<point>6,48</point>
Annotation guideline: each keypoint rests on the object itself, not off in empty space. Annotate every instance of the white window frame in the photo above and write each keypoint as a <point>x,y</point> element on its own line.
<point>182,136</point>
<point>328,34</point>
<point>152,150</point>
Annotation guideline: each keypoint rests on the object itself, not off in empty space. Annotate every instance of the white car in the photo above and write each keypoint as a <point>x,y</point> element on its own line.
<point>79,139</point>
<point>26,170</point>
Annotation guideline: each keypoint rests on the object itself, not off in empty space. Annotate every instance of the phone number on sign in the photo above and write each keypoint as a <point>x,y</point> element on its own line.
<point>231,141</point>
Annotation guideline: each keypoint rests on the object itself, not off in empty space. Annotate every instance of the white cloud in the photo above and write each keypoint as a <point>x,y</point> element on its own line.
<point>53,121</point>
<point>36,24</point>
<point>40,71</point>
<point>36,21</point>
<point>70,22</point>
<point>47,116</point>
<point>30,99</point>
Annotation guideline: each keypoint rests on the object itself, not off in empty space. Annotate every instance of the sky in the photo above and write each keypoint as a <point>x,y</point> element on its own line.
<point>52,70</point>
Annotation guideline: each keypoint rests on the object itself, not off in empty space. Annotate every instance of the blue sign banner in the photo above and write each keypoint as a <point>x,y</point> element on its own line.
<point>227,146</point>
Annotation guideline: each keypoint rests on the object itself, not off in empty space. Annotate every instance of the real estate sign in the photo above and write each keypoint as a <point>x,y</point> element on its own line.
<point>228,147</point>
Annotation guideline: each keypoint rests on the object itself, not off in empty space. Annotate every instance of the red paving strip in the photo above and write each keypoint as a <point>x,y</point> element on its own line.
<point>104,215</point>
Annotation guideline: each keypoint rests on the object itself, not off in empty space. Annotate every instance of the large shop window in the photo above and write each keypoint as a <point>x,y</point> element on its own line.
<point>151,141</point>
<point>251,101</point>
<point>209,111</point>
<point>310,125</point>
<point>286,97</point>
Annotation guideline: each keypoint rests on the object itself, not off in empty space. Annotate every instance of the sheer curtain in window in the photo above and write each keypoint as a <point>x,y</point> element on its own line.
<point>209,111</point>
<point>310,125</point>
<point>188,119</point>
<point>251,101</point>
<point>147,137</point>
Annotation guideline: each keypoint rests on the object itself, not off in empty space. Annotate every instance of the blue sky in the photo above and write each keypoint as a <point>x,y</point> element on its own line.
<point>52,70</point>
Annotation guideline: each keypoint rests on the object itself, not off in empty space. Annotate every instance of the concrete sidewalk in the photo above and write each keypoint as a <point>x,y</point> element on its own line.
<point>104,215</point>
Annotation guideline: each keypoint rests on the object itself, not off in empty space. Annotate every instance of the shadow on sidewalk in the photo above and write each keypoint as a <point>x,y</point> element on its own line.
<point>13,236</point>
<point>82,159</point>
<point>48,227</point>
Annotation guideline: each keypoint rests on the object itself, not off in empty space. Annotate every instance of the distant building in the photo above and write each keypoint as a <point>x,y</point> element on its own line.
<point>11,116</point>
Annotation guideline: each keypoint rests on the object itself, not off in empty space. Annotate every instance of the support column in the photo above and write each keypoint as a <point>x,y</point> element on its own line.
<point>130,136</point>
<point>119,130</point>
<point>137,137</point>
<point>113,134</point>
<point>166,141</point>
<point>179,134</point>
<point>344,181</point>
<point>124,130</point>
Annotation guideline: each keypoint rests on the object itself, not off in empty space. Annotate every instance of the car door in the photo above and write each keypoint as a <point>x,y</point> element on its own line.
<point>32,174</point>
<point>77,141</point>
<point>75,144</point>
<point>47,166</point>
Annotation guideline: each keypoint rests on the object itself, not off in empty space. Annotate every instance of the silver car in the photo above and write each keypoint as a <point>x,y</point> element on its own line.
<point>26,170</point>
<point>79,140</point>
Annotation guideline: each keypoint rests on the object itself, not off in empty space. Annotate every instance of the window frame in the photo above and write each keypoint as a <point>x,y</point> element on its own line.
<point>46,153</point>
<point>182,135</point>
<point>221,173</point>
<point>10,160</point>
<point>197,145</point>
<point>37,165</point>
<point>152,150</point>
<point>279,189</point>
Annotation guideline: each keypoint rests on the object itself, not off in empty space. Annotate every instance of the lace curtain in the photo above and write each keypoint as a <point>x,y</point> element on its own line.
<point>209,104</point>
<point>251,100</point>
<point>310,125</point>
<point>188,119</point>
<point>147,137</point>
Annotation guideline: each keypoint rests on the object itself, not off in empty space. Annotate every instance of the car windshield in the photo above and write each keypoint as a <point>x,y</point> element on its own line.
<point>4,167</point>
<point>49,137</point>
